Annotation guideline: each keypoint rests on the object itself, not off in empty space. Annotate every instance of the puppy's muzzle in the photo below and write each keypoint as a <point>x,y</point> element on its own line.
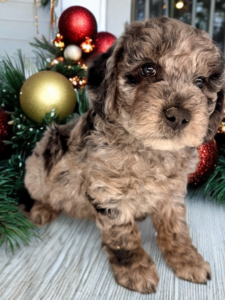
<point>177,118</point>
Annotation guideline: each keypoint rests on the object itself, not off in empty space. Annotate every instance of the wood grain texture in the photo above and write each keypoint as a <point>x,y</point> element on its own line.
<point>68,262</point>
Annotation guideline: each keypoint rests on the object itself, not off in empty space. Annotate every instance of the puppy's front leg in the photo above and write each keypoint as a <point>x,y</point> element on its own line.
<point>132,266</point>
<point>169,219</point>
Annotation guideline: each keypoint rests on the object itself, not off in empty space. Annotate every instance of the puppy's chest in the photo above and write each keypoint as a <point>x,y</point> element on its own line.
<point>151,172</point>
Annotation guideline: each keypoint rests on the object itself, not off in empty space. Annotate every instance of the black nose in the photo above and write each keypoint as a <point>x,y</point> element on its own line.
<point>177,118</point>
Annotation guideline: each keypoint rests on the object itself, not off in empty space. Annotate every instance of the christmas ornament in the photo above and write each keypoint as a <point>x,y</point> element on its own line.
<point>76,23</point>
<point>72,52</point>
<point>104,41</point>
<point>57,60</point>
<point>45,91</point>
<point>208,155</point>
<point>220,136</point>
<point>87,45</point>
<point>58,41</point>
<point>3,125</point>
<point>82,65</point>
<point>78,82</point>
<point>221,128</point>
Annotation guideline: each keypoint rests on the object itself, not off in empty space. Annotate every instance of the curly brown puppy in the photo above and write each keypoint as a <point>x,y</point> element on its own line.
<point>154,96</point>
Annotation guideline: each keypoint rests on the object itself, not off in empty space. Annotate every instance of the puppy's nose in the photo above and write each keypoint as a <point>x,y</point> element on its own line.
<point>177,118</point>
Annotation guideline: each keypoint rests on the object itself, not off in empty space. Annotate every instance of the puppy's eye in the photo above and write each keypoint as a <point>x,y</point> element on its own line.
<point>199,82</point>
<point>148,70</point>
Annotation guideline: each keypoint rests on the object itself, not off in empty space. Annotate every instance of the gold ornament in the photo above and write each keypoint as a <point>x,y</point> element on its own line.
<point>45,91</point>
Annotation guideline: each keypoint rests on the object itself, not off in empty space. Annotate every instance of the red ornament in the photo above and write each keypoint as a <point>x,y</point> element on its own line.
<point>104,41</point>
<point>3,125</point>
<point>76,24</point>
<point>208,155</point>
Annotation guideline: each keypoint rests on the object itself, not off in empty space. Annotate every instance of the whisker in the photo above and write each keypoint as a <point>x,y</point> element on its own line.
<point>213,131</point>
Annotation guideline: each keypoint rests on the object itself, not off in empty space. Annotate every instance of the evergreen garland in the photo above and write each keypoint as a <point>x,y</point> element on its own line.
<point>15,228</point>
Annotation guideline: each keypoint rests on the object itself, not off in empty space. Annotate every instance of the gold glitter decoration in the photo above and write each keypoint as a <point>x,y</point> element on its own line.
<point>58,41</point>
<point>221,128</point>
<point>57,60</point>
<point>45,91</point>
<point>83,66</point>
<point>87,46</point>
<point>78,82</point>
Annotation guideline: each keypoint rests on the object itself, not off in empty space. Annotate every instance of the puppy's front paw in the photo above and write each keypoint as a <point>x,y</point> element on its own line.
<point>139,275</point>
<point>197,271</point>
<point>143,280</point>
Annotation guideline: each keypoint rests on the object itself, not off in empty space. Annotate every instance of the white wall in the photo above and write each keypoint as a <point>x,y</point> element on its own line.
<point>17,25</point>
<point>118,12</point>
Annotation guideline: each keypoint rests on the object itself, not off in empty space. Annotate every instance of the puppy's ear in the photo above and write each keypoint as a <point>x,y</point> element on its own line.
<point>101,81</point>
<point>216,116</point>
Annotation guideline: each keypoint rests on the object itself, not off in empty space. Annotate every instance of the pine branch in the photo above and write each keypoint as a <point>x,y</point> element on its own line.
<point>69,70</point>
<point>47,47</point>
<point>12,74</point>
<point>14,227</point>
<point>82,100</point>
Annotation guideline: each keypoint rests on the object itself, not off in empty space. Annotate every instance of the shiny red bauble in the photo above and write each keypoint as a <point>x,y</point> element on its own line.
<point>104,40</point>
<point>208,155</point>
<point>77,23</point>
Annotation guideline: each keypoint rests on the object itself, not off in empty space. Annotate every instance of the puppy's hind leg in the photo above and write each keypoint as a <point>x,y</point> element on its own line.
<point>37,212</point>
<point>41,213</point>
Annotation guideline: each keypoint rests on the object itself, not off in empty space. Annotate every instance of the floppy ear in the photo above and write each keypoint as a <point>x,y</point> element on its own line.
<point>216,116</point>
<point>101,81</point>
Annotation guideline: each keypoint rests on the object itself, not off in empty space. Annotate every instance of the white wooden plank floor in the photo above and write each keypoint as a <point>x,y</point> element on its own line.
<point>68,262</point>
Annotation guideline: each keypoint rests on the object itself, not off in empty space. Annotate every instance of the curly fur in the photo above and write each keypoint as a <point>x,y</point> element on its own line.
<point>121,162</point>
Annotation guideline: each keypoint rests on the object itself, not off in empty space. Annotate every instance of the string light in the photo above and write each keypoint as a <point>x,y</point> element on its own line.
<point>179,4</point>
<point>87,45</point>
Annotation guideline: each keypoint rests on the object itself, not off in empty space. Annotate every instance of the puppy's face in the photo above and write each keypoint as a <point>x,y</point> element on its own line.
<point>163,82</point>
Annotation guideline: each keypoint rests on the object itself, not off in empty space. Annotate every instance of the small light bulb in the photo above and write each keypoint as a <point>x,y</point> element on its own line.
<point>179,4</point>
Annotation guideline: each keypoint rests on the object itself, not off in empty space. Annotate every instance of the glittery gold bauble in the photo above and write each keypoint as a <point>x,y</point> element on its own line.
<point>45,91</point>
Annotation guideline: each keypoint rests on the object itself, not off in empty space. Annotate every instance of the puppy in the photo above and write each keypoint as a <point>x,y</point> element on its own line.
<point>155,96</point>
